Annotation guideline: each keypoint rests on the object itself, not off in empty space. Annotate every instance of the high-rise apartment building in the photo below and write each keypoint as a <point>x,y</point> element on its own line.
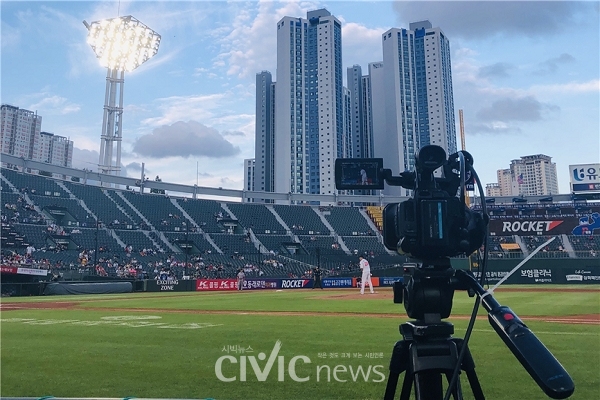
<point>533,175</point>
<point>403,103</point>
<point>506,182</point>
<point>309,112</point>
<point>19,129</point>
<point>417,95</point>
<point>21,136</point>
<point>264,137</point>
<point>492,190</point>
<point>359,116</point>
<point>249,178</point>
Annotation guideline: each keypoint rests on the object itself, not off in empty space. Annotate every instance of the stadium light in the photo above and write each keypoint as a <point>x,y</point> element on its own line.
<point>121,44</point>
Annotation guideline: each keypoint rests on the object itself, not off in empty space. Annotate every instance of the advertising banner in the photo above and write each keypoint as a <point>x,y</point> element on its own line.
<point>540,225</point>
<point>545,275</point>
<point>32,271</point>
<point>255,283</point>
<point>23,271</point>
<point>216,284</point>
<point>374,281</point>
<point>171,285</point>
<point>8,270</point>
<point>389,280</point>
<point>296,283</point>
<point>585,177</point>
<point>337,282</point>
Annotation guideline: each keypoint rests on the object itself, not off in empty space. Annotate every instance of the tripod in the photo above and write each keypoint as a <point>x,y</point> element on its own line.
<point>426,352</point>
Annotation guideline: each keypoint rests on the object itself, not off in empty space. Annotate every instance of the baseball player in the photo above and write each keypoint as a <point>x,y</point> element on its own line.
<point>366,275</point>
<point>241,277</point>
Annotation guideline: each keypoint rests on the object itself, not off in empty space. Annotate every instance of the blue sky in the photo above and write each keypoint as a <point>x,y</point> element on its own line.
<point>526,75</point>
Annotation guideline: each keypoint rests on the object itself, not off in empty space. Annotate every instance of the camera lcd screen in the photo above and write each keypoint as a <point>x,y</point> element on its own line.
<point>359,173</point>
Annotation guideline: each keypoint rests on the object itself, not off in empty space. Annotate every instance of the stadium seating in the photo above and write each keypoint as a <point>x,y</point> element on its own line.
<point>158,210</point>
<point>257,217</point>
<point>160,224</point>
<point>347,221</point>
<point>33,184</point>
<point>205,213</point>
<point>105,209</point>
<point>302,220</point>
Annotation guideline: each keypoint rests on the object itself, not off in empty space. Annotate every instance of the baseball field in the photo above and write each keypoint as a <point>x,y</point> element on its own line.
<point>291,344</point>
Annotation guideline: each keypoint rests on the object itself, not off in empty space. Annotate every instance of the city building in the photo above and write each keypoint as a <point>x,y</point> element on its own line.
<point>307,118</point>
<point>21,136</point>
<point>415,87</point>
<point>533,175</point>
<point>309,112</point>
<point>506,182</point>
<point>249,177</point>
<point>493,190</point>
<point>264,137</point>
<point>359,116</point>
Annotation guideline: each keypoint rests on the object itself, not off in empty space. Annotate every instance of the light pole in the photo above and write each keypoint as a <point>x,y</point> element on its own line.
<point>121,44</point>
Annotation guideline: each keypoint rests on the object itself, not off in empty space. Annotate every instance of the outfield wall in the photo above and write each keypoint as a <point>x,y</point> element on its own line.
<point>535,271</point>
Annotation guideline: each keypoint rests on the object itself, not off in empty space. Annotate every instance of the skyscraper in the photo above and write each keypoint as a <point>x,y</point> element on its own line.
<point>417,95</point>
<point>360,117</point>
<point>263,148</point>
<point>309,112</point>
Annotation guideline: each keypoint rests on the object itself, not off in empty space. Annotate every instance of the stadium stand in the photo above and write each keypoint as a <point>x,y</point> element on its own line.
<point>376,214</point>
<point>347,221</point>
<point>302,220</point>
<point>105,209</point>
<point>158,210</point>
<point>33,184</point>
<point>274,243</point>
<point>205,213</point>
<point>257,217</point>
<point>164,232</point>
<point>234,244</point>
<point>197,239</point>
<point>115,196</point>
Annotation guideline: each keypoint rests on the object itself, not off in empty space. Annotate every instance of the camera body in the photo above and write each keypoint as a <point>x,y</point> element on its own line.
<point>435,223</point>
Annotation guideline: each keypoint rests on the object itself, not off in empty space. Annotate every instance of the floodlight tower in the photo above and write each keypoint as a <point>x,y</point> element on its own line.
<point>121,44</point>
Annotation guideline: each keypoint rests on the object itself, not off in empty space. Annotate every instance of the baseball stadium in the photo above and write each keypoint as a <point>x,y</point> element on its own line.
<point>131,289</point>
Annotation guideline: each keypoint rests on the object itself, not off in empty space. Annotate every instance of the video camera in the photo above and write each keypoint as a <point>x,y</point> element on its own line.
<point>434,223</point>
<point>432,226</point>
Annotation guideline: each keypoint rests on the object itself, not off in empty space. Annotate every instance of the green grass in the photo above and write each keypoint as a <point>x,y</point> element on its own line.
<point>177,358</point>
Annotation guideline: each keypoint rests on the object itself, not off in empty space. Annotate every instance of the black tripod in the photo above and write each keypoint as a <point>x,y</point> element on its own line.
<point>426,352</point>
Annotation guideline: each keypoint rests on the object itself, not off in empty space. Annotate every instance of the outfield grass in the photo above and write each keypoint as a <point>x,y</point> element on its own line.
<point>92,353</point>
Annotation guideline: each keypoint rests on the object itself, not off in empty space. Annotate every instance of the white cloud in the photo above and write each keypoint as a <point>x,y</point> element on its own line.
<point>54,104</point>
<point>590,86</point>
<point>180,108</point>
<point>247,47</point>
<point>184,139</point>
<point>361,45</point>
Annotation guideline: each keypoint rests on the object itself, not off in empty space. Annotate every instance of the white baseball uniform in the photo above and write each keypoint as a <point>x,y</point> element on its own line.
<point>366,276</point>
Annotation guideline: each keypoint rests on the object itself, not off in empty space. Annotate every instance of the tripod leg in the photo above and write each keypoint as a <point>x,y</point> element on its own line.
<point>428,386</point>
<point>398,364</point>
<point>457,390</point>
<point>468,365</point>
<point>390,388</point>
<point>406,386</point>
